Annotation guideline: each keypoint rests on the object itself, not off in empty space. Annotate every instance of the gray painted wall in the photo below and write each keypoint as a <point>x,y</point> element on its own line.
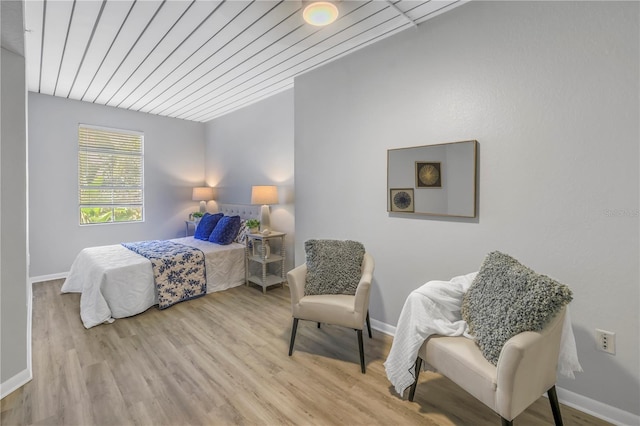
<point>254,146</point>
<point>550,90</point>
<point>173,164</point>
<point>14,354</point>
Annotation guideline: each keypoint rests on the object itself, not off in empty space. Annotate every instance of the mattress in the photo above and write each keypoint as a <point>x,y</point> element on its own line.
<point>115,282</point>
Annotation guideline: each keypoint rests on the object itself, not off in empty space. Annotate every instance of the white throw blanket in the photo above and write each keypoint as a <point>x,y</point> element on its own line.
<point>434,308</point>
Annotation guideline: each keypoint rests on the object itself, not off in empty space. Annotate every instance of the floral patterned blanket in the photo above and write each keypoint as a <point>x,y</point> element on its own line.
<point>179,270</point>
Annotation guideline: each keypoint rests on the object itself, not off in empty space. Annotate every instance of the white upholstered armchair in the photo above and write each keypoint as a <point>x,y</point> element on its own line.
<point>526,369</point>
<point>339,309</point>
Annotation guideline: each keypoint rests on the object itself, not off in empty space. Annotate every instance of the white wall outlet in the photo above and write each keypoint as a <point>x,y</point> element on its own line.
<point>606,341</point>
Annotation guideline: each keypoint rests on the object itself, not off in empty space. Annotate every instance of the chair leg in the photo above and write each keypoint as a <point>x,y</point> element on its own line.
<point>294,328</point>
<point>506,422</point>
<point>412,391</point>
<point>368,325</point>
<point>318,325</point>
<point>555,407</point>
<point>361,346</point>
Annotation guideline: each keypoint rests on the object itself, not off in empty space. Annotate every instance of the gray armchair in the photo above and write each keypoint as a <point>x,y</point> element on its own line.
<point>337,309</point>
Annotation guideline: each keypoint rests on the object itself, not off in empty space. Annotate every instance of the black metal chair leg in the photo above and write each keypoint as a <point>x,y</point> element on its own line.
<point>318,325</point>
<point>555,407</point>
<point>368,325</point>
<point>361,346</point>
<point>294,328</point>
<point>506,422</point>
<point>412,391</point>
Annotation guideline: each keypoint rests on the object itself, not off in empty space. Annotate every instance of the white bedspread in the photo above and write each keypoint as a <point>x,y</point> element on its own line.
<point>434,308</point>
<point>115,282</point>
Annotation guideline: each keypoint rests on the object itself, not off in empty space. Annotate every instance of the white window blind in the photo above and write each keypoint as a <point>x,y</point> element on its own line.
<point>110,175</point>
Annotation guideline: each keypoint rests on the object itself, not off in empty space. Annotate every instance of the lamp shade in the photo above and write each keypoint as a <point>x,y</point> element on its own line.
<point>320,13</point>
<point>264,194</point>
<point>202,193</point>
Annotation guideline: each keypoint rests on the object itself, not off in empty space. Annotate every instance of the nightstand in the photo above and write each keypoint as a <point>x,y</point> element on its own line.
<point>187,224</point>
<point>262,250</point>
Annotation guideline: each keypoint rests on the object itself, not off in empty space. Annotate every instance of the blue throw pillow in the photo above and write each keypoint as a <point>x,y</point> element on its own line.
<point>206,225</point>
<point>226,230</point>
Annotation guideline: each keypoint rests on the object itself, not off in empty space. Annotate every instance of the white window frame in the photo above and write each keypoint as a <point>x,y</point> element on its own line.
<point>142,187</point>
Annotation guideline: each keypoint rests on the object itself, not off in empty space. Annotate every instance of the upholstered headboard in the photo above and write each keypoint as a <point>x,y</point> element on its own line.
<point>245,211</point>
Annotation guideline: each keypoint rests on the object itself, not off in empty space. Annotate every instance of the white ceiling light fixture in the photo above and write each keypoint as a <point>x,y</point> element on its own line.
<point>320,13</point>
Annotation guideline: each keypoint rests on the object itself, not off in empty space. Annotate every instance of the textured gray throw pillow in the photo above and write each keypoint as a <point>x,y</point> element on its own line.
<point>507,298</point>
<point>333,266</point>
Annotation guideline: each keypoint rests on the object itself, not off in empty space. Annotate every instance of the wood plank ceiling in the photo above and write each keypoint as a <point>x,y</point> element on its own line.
<point>194,60</point>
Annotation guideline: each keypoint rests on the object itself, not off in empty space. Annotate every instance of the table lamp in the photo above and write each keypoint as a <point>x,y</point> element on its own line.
<point>202,194</point>
<point>264,195</point>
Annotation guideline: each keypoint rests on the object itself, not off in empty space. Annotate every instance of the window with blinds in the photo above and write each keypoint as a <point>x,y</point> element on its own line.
<point>110,175</point>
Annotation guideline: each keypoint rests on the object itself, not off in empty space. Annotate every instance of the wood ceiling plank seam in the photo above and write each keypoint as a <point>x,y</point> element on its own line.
<point>329,37</point>
<point>112,16</point>
<point>57,17</point>
<point>170,73</point>
<point>85,15</point>
<point>236,76</point>
<point>190,56</point>
<point>219,64</point>
<point>151,51</point>
<point>287,48</point>
<point>212,88</point>
<point>426,5</point>
<point>248,59</point>
<point>84,55</point>
<point>175,73</point>
<point>131,48</point>
<point>172,52</point>
<point>64,48</point>
<point>285,82</point>
<point>409,4</point>
<point>359,45</point>
<point>402,13</point>
<point>124,21</point>
<point>44,23</point>
<point>239,105</point>
<point>297,54</point>
<point>438,11</point>
<point>244,30</point>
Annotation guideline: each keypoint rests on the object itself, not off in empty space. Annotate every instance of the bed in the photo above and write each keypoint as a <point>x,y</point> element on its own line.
<point>116,282</point>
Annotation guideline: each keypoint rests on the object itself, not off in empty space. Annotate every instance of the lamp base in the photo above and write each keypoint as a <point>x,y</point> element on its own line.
<point>265,219</point>
<point>203,207</point>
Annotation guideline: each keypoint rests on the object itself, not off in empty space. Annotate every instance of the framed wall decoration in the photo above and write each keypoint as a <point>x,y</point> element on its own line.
<point>401,200</point>
<point>428,174</point>
<point>436,180</point>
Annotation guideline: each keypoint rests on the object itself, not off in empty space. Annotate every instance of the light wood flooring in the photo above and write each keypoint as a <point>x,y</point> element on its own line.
<point>222,360</point>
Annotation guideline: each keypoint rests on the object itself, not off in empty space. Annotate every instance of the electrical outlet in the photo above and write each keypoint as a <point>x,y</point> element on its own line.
<point>606,341</point>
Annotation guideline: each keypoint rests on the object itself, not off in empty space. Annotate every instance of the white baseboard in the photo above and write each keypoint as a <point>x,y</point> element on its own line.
<point>597,409</point>
<point>582,403</point>
<point>382,327</point>
<point>29,328</point>
<point>50,277</point>
<point>15,382</point>
<point>25,375</point>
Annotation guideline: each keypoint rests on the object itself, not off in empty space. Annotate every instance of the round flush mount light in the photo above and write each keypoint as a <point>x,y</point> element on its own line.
<point>320,13</point>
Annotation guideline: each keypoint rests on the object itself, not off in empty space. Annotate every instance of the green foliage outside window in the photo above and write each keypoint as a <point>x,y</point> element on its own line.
<point>109,214</point>
<point>110,175</point>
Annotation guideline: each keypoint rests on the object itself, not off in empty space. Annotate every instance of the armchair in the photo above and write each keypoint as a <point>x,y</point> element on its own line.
<point>338,309</point>
<point>526,369</point>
